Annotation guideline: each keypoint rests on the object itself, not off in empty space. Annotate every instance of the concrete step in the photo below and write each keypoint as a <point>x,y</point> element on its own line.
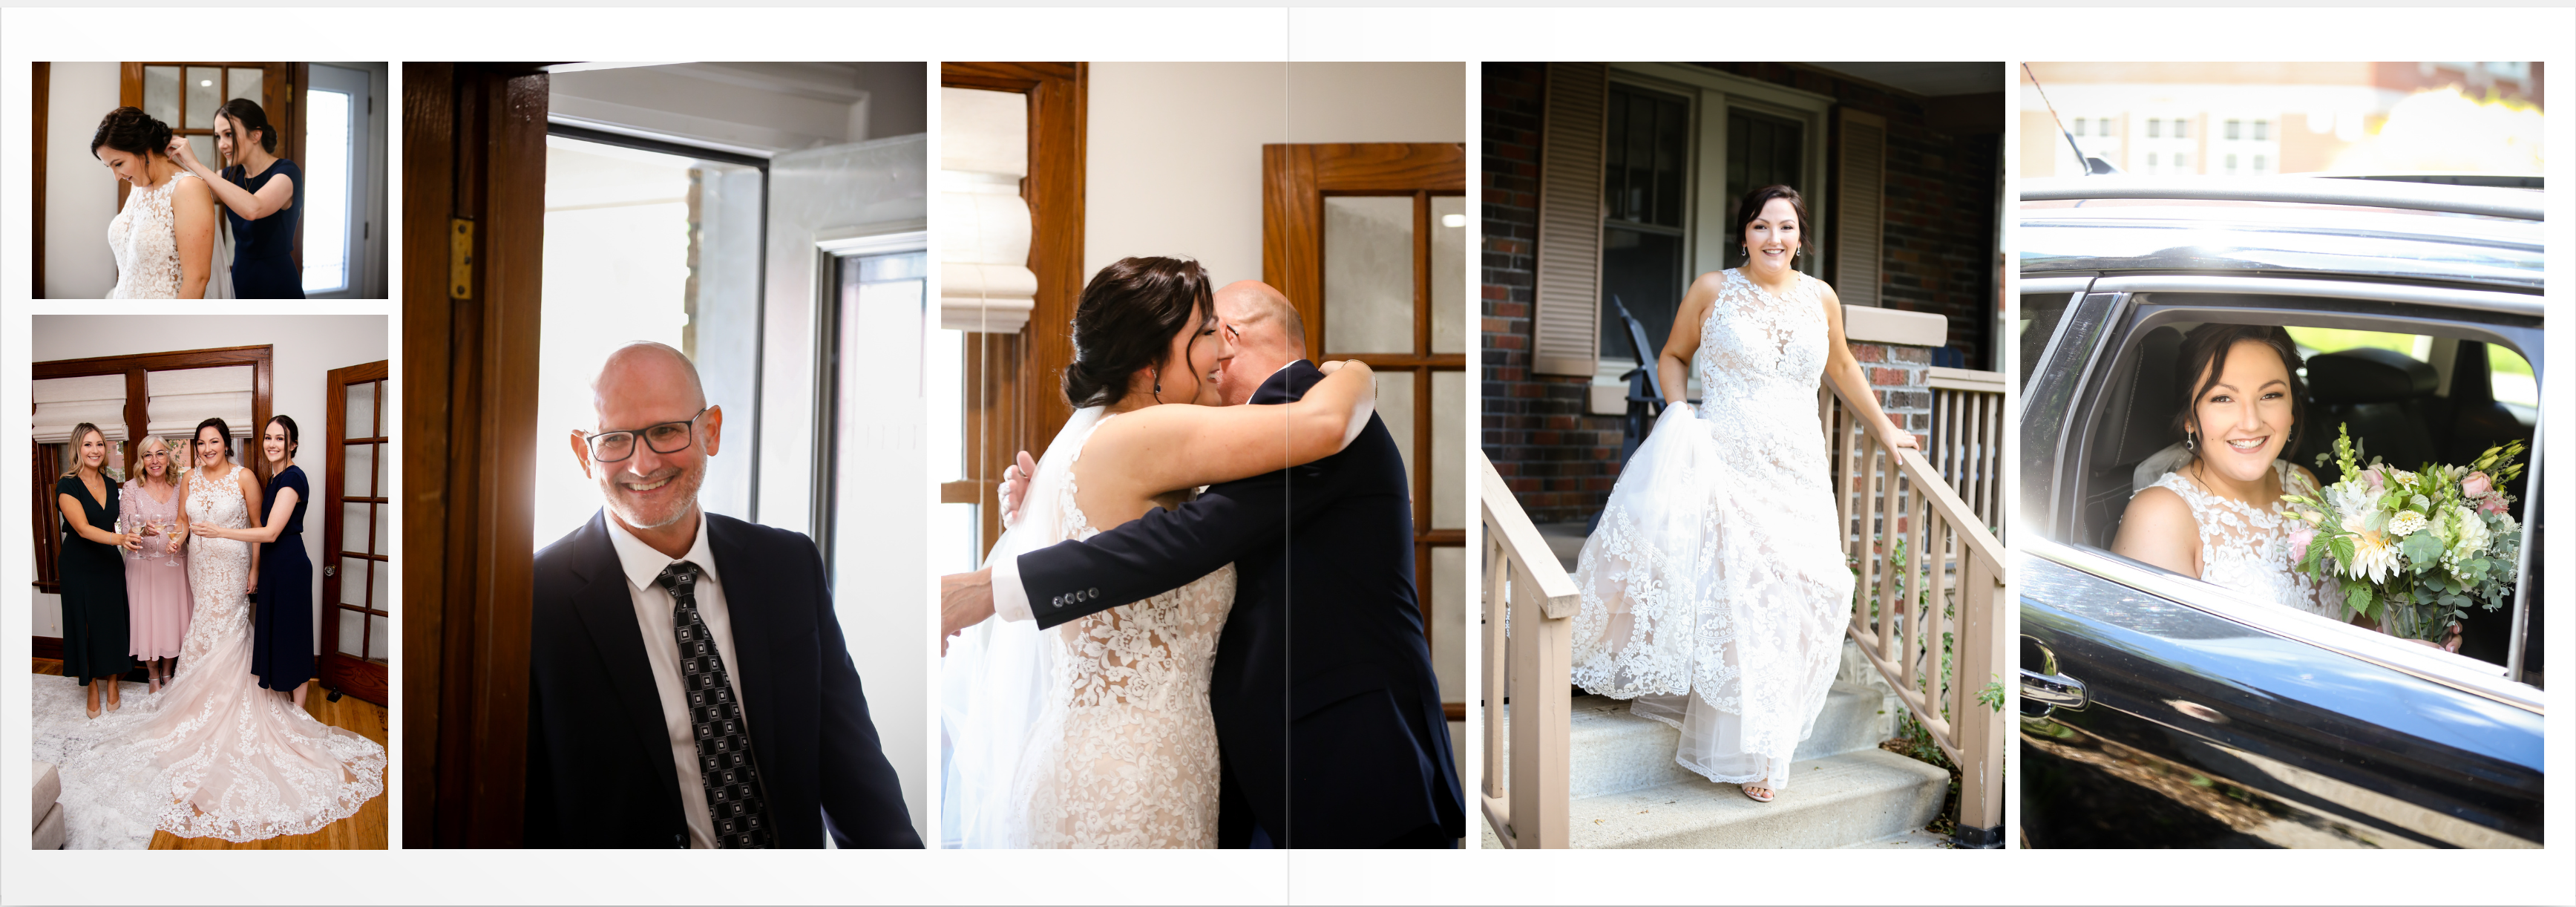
<point>1918,839</point>
<point>1841,800</point>
<point>1615,750</point>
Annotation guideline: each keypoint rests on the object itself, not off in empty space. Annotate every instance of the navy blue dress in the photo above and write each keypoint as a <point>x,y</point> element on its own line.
<point>95,620</point>
<point>281,639</point>
<point>264,249</point>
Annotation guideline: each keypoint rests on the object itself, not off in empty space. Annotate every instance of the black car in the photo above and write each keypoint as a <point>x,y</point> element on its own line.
<point>2158,710</point>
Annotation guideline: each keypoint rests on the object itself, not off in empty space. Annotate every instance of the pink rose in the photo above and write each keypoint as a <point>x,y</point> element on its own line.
<point>2299,539</point>
<point>2492,505</point>
<point>2377,483</point>
<point>2476,485</point>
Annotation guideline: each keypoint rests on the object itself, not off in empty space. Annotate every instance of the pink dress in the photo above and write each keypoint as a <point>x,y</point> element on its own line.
<point>156,576</point>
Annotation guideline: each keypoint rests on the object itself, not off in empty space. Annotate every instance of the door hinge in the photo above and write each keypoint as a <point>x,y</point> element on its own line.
<point>460,258</point>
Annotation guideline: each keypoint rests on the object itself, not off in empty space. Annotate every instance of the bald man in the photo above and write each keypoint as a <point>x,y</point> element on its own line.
<point>688,683</point>
<point>1328,715</point>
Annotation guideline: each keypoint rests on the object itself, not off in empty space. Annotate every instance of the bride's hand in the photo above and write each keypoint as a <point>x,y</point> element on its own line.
<point>1903,438</point>
<point>1015,487</point>
<point>208,530</point>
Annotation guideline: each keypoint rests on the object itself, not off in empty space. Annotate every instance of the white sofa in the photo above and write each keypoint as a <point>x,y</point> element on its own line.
<point>49,809</point>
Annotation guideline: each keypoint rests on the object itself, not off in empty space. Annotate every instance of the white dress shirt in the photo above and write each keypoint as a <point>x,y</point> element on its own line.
<point>653,606</point>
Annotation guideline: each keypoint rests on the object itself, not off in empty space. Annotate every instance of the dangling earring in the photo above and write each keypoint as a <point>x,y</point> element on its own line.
<point>2188,441</point>
<point>1158,384</point>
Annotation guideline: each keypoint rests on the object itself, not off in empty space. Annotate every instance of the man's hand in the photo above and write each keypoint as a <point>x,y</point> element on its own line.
<point>1015,487</point>
<point>965,599</point>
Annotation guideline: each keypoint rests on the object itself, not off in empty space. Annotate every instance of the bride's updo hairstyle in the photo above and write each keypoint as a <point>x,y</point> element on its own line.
<point>1126,321</point>
<point>221,430</point>
<point>1752,208</point>
<point>247,116</point>
<point>130,130</point>
<point>2205,350</point>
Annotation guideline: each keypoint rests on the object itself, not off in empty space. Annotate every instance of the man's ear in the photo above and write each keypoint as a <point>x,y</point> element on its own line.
<point>714,422</point>
<point>581,454</point>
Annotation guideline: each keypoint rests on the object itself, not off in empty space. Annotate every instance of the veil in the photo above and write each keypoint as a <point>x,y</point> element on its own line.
<point>992,684</point>
<point>219,267</point>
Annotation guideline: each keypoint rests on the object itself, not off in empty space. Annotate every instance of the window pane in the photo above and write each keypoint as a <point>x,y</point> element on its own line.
<point>353,528</point>
<point>204,146</point>
<point>1368,274</point>
<point>1449,274</point>
<point>380,577</point>
<point>361,414</point>
<point>2155,129</point>
<point>352,624</point>
<point>2182,129</point>
<point>353,581</point>
<point>2262,130</point>
<point>161,93</point>
<point>1395,407</point>
<point>379,631</point>
<point>244,82</point>
<point>1448,595</point>
<point>357,465</point>
<point>1643,271</point>
<point>2510,375</point>
<point>1448,453</point>
<point>326,193</point>
<point>205,92</point>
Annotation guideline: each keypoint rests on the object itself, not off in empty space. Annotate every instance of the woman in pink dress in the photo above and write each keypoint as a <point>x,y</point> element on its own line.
<point>156,571</point>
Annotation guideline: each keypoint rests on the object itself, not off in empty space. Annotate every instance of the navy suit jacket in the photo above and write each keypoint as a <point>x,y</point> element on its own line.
<point>599,753</point>
<point>1327,712</point>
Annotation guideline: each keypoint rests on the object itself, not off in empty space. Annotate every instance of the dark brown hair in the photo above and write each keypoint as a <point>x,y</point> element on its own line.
<point>222,430</point>
<point>1754,200</point>
<point>246,116</point>
<point>1126,320</point>
<point>2205,350</point>
<point>130,130</point>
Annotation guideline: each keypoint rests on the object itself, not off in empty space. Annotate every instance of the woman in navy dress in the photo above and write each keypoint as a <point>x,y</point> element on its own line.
<point>262,195</point>
<point>281,633</point>
<point>93,571</point>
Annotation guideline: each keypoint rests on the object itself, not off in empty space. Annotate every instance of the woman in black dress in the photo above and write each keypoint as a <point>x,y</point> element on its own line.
<point>261,194</point>
<point>281,634</point>
<point>93,572</point>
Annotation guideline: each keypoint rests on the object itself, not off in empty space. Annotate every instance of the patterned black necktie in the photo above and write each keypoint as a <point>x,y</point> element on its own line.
<point>725,766</point>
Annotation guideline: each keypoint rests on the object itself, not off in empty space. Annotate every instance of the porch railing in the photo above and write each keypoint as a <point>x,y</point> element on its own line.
<point>1967,447</point>
<point>1929,611</point>
<point>1530,667</point>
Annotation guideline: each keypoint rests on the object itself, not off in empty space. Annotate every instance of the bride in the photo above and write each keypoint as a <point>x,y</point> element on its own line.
<point>2214,511</point>
<point>167,237</point>
<point>1715,592</point>
<point>217,756</point>
<point>1098,733</point>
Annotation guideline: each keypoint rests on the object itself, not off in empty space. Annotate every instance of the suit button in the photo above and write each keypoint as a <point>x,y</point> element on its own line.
<point>1094,593</point>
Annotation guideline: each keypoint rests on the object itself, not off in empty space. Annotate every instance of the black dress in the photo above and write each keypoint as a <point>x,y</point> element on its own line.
<point>264,249</point>
<point>281,639</point>
<point>95,619</point>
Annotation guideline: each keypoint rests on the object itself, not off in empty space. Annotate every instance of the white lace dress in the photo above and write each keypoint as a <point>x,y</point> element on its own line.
<point>213,755</point>
<point>1715,592</point>
<point>2247,549</point>
<point>145,239</point>
<point>1124,751</point>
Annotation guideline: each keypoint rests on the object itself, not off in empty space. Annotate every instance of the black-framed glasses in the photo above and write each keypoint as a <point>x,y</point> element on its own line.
<point>666,438</point>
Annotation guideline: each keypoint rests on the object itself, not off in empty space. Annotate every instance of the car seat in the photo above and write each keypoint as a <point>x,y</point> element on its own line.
<point>2380,396</point>
<point>2138,423</point>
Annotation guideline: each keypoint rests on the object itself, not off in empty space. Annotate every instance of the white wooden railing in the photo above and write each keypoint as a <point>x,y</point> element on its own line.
<point>1929,609</point>
<point>1531,667</point>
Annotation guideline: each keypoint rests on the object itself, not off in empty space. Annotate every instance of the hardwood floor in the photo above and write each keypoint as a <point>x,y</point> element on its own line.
<point>364,831</point>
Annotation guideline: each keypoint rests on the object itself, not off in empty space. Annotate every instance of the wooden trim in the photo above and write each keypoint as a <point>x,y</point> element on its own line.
<point>1565,329</point>
<point>213,357</point>
<point>49,535</point>
<point>47,647</point>
<point>473,150</point>
<point>44,89</point>
<point>354,675</point>
<point>1017,399</point>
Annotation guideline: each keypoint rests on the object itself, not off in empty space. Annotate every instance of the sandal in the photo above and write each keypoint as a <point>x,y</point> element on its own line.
<point>1764,786</point>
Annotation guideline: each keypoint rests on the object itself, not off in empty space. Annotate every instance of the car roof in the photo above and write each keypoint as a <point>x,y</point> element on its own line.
<point>2288,226</point>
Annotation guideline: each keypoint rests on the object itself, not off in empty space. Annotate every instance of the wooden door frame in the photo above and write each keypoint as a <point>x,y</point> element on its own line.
<point>340,672</point>
<point>44,88</point>
<point>1022,401</point>
<point>1295,180</point>
<point>474,157</point>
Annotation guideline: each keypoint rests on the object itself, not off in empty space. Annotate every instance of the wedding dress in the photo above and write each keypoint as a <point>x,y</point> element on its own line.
<point>213,755</point>
<point>1096,733</point>
<point>145,239</point>
<point>2247,549</point>
<point>1715,591</point>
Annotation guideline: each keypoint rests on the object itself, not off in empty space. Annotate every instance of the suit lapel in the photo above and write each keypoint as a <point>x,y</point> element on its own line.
<point>607,611</point>
<point>747,590</point>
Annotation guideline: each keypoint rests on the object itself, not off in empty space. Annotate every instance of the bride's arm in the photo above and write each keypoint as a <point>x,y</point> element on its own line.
<point>1672,366</point>
<point>2158,529</point>
<point>192,206</point>
<point>1174,447</point>
<point>1843,370</point>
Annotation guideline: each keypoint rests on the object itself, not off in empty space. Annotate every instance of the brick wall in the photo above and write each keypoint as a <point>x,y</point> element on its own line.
<point>1902,376</point>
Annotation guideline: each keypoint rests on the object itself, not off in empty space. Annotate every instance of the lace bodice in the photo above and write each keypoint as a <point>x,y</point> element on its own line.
<point>145,240</point>
<point>1715,591</point>
<point>2247,549</point>
<point>1127,747</point>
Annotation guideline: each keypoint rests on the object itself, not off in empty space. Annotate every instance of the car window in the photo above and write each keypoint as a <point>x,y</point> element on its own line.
<point>2335,340</point>
<point>2512,377</point>
<point>2039,316</point>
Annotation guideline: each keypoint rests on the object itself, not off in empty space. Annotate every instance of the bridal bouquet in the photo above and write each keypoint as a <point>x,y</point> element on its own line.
<point>2412,550</point>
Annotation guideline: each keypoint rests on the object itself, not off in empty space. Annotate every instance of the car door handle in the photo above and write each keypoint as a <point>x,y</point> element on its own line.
<point>2052,690</point>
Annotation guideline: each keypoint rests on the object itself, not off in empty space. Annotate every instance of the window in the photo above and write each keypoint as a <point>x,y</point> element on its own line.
<point>2155,128</point>
<point>2079,126</point>
<point>2182,129</point>
<point>2231,130</point>
<point>334,107</point>
<point>2231,165</point>
<point>2262,164</point>
<point>2262,130</point>
<point>1645,183</point>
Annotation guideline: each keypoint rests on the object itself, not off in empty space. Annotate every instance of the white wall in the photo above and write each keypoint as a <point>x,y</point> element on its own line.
<point>80,194</point>
<point>307,348</point>
<point>1174,149</point>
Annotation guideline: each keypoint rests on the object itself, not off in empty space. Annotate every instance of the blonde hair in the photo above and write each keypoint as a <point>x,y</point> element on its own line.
<point>80,431</point>
<point>134,471</point>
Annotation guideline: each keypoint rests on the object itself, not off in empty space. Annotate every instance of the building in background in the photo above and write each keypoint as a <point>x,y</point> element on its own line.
<point>2260,119</point>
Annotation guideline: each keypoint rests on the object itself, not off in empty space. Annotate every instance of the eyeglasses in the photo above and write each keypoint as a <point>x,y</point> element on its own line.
<point>666,438</point>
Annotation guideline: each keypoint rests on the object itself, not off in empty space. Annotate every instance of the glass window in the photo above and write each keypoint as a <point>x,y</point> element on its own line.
<point>329,130</point>
<point>2232,129</point>
<point>1368,273</point>
<point>161,93</point>
<point>2510,376</point>
<point>2079,126</point>
<point>2155,128</point>
<point>205,93</point>
<point>2262,164</point>
<point>2231,165</point>
<point>2182,163</point>
<point>2182,128</point>
<point>2262,130</point>
<point>1644,235</point>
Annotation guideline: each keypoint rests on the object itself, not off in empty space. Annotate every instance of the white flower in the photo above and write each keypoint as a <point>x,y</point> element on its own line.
<point>2374,556</point>
<point>2401,476</point>
<point>2474,537</point>
<point>2421,502</point>
<point>2504,523</point>
<point>2406,523</point>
